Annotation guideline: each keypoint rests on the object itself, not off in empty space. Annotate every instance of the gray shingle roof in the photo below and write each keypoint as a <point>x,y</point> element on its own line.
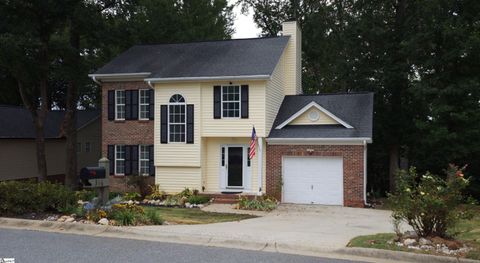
<point>355,109</point>
<point>238,57</point>
<point>16,122</point>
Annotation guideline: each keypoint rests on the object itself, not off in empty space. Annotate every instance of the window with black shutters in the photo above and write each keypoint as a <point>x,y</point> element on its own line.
<point>177,120</point>
<point>230,101</point>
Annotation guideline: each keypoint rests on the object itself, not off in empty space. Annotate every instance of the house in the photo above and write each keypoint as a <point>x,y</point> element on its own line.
<point>184,113</point>
<point>18,148</point>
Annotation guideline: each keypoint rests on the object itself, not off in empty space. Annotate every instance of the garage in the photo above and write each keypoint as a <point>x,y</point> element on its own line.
<point>313,180</point>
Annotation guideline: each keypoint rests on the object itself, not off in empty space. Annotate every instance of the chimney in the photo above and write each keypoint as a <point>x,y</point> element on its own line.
<point>293,58</point>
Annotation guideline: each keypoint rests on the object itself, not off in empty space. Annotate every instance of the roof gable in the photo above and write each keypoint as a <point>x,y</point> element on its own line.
<point>232,58</point>
<point>330,120</point>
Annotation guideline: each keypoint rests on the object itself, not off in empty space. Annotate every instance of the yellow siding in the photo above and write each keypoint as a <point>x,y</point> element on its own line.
<point>304,120</point>
<point>211,178</point>
<point>178,154</point>
<point>234,127</point>
<point>293,59</point>
<point>174,179</point>
<point>274,94</point>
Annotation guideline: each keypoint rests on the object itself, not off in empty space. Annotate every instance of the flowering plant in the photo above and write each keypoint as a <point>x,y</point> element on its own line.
<point>429,204</point>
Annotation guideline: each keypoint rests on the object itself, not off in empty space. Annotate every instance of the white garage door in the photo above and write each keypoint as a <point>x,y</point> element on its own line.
<point>313,180</point>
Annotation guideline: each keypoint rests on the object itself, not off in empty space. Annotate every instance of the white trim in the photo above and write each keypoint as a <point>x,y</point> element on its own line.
<point>239,101</point>
<point>307,107</point>
<point>116,159</point>
<point>124,105</point>
<point>244,166</point>
<point>140,159</point>
<point>307,141</point>
<point>260,164</point>
<point>206,78</point>
<point>365,173</point>
<point>140,104</point>
<point>118,76</point>
<point>184,104</point>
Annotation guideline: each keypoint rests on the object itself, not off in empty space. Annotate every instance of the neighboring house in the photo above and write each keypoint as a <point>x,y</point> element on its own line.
<point>185,113</point>
<point>18,148</point>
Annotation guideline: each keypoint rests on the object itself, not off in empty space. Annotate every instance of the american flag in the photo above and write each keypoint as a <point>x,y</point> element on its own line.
<point>251,154</point>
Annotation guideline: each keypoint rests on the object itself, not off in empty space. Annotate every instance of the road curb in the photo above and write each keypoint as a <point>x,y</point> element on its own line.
<point>361,254</point>
<point>401,255</point>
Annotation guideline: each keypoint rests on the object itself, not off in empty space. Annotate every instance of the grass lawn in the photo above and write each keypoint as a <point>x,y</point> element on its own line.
<point>191,216</point>
<point>467,231</point>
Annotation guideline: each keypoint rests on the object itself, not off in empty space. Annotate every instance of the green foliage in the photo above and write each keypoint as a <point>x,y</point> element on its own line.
<point>19,197</point>
<point>258,203</point>
<point>156,194</point>
<point>85,195</point>
<point>154,217</point>
<point>428,203</point>
<point>127,215</point>
<point>131,196</point>
<point>173,200</point>
<point>185,193</point>
<point>198,199</point>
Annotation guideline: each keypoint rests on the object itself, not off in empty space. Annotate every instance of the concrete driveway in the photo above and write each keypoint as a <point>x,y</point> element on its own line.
<point>322,228</point>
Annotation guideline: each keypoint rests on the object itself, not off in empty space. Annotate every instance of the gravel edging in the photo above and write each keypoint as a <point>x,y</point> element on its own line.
<point>402,255</point>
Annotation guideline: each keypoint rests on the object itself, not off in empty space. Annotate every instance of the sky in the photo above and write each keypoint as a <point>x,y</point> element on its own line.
<point>244,25</point>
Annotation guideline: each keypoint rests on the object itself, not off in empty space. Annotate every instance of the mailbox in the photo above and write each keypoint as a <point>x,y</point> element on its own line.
<point>88,173</point>
<point>93,177</point>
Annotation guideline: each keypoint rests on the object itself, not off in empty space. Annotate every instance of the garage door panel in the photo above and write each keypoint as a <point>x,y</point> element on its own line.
<point>313,180</point>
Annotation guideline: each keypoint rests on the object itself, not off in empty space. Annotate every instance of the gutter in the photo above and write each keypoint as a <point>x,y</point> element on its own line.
<point>119,76</point>
<point>206,78</point>
<point>365,173</point>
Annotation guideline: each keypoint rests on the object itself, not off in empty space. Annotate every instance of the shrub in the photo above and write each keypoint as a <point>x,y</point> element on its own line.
<point>186,193</point>
<point>156,194</point>
<point>153,217</point>
<point>131,196</point>
<point>258,203</point>
<point>428,203</point>
<point>198,199</point>
<point>126,215</point>
<point>172,200</point>
<point>19,197</point>
<point>85,195</point>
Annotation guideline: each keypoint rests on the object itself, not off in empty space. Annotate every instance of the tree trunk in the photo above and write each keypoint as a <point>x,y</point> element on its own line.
<point>393,167</point>
<point>40,149</point>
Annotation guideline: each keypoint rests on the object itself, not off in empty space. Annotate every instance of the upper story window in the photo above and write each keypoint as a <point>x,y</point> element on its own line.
<point>120,105</point>
<point>143,104</point>
<point>176,119</point>
<point>230,101</point>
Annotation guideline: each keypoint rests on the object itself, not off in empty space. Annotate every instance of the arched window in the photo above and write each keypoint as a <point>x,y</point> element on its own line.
<point>176,118</point>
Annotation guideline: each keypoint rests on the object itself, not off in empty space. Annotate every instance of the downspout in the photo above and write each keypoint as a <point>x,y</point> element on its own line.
<point>96,81</point>
<point>149,82</point>
<point>365,173</point>
<point>260,165</point>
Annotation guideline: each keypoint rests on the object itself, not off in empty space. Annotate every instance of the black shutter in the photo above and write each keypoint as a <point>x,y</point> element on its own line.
<point>111,105</point>
<point>128,105</point>
<point>163,124</point>
<point>217,100</point>
<point>134,103</point>
<point>134,159</point>
<point>128,160</point>
<point>190,123</point>
<point>111,158</point>
<point>244,101</point>
<point>151,109</point>
<point>150,157</point>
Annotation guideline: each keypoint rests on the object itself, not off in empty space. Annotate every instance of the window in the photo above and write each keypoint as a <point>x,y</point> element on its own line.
<point>176,119</point>
<point>143,160</point>
<point>79,147</point>
<point>120,105</point>
<point>120,159</point>
<point>87,147</point>
<point>231,101</point>
<point>143,104</point>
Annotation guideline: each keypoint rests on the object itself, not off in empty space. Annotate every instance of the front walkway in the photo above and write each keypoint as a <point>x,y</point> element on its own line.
<point>323,228</point>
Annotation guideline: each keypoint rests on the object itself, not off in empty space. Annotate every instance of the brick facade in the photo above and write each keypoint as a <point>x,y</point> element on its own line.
<point>352,168</point>
<point>127,132</point>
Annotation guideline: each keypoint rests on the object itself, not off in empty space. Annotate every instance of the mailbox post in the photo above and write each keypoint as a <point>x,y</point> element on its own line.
<point>97,178</point>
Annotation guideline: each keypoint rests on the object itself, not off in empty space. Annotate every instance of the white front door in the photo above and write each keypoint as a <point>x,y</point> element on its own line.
<point>313,180</point>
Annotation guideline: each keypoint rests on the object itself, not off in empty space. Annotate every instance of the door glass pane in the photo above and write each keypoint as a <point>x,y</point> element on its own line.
<point>235,166</point>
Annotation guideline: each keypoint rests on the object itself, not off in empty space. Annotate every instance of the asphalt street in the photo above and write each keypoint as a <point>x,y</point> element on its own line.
<point>34,246</point>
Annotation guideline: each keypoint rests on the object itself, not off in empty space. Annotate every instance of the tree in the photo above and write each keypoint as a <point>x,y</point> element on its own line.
<point>27,47</point>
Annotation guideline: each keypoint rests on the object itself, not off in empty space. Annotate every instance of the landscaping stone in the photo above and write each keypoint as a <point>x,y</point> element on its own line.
<point>69,220</point>
<point>423,241</point>
<point>62,219</point>
<point>103,221</point>
<point>51,218</point>
<point>187,204</point>
<point>410,234</point>
<point>409,242</point>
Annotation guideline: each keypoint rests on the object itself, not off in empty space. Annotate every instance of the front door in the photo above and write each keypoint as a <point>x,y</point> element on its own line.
<point>235,167</point>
